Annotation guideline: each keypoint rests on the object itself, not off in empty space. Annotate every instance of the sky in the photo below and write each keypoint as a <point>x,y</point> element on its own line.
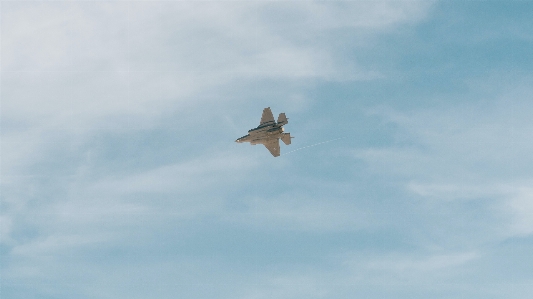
<point>410,174</point>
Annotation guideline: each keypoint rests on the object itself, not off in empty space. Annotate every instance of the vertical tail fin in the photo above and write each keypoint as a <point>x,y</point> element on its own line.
<point>282,119</point>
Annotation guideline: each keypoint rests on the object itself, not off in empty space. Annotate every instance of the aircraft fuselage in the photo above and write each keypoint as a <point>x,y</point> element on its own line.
<point>262,134</point>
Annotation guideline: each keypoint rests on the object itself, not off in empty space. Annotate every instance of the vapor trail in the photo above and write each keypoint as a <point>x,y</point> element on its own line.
<point>312,145</point>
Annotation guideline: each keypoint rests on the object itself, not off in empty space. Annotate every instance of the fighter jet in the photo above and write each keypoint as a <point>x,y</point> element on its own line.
<point>268,132</point>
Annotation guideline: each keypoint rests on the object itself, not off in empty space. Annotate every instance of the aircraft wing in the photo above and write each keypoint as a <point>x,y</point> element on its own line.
<point>273,147</point>
<point>267,116</point>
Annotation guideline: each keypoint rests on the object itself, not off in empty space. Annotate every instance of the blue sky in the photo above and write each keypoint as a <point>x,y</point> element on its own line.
<point>120,177</point>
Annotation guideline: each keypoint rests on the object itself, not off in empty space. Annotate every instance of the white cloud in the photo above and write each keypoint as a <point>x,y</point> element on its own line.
<point>521,208</point>
<point>468,152</point>
<point>183,190</point>
<point>300,213</point>
<point>183,178</point>
<point>71,69</point>
<point>402,266</point>
<point>294,285</point>
<point>74,70</point>
<point>398,269</point>
<point>365,274</point>
<point>6,225</point>
<point>55,244</point>
<point>250,37</point>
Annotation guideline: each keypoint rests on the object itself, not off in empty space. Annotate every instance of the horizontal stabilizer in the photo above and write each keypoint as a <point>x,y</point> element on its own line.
<point>282,119</point>
<point>286,138</point>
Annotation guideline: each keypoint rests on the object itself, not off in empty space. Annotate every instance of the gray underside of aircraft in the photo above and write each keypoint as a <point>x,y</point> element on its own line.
<point>269,132</point>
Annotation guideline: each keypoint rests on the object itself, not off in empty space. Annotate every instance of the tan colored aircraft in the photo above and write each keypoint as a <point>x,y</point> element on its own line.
<point>269,132</point>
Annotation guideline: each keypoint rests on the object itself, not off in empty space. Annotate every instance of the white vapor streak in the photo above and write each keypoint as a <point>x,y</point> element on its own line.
<point>313,145</point>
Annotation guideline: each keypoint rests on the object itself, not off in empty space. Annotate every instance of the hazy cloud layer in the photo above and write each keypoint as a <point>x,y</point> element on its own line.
<point>120,177</point>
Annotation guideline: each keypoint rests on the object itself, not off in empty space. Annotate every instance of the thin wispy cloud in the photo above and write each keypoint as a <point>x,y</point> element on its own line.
<point>120,177</point>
